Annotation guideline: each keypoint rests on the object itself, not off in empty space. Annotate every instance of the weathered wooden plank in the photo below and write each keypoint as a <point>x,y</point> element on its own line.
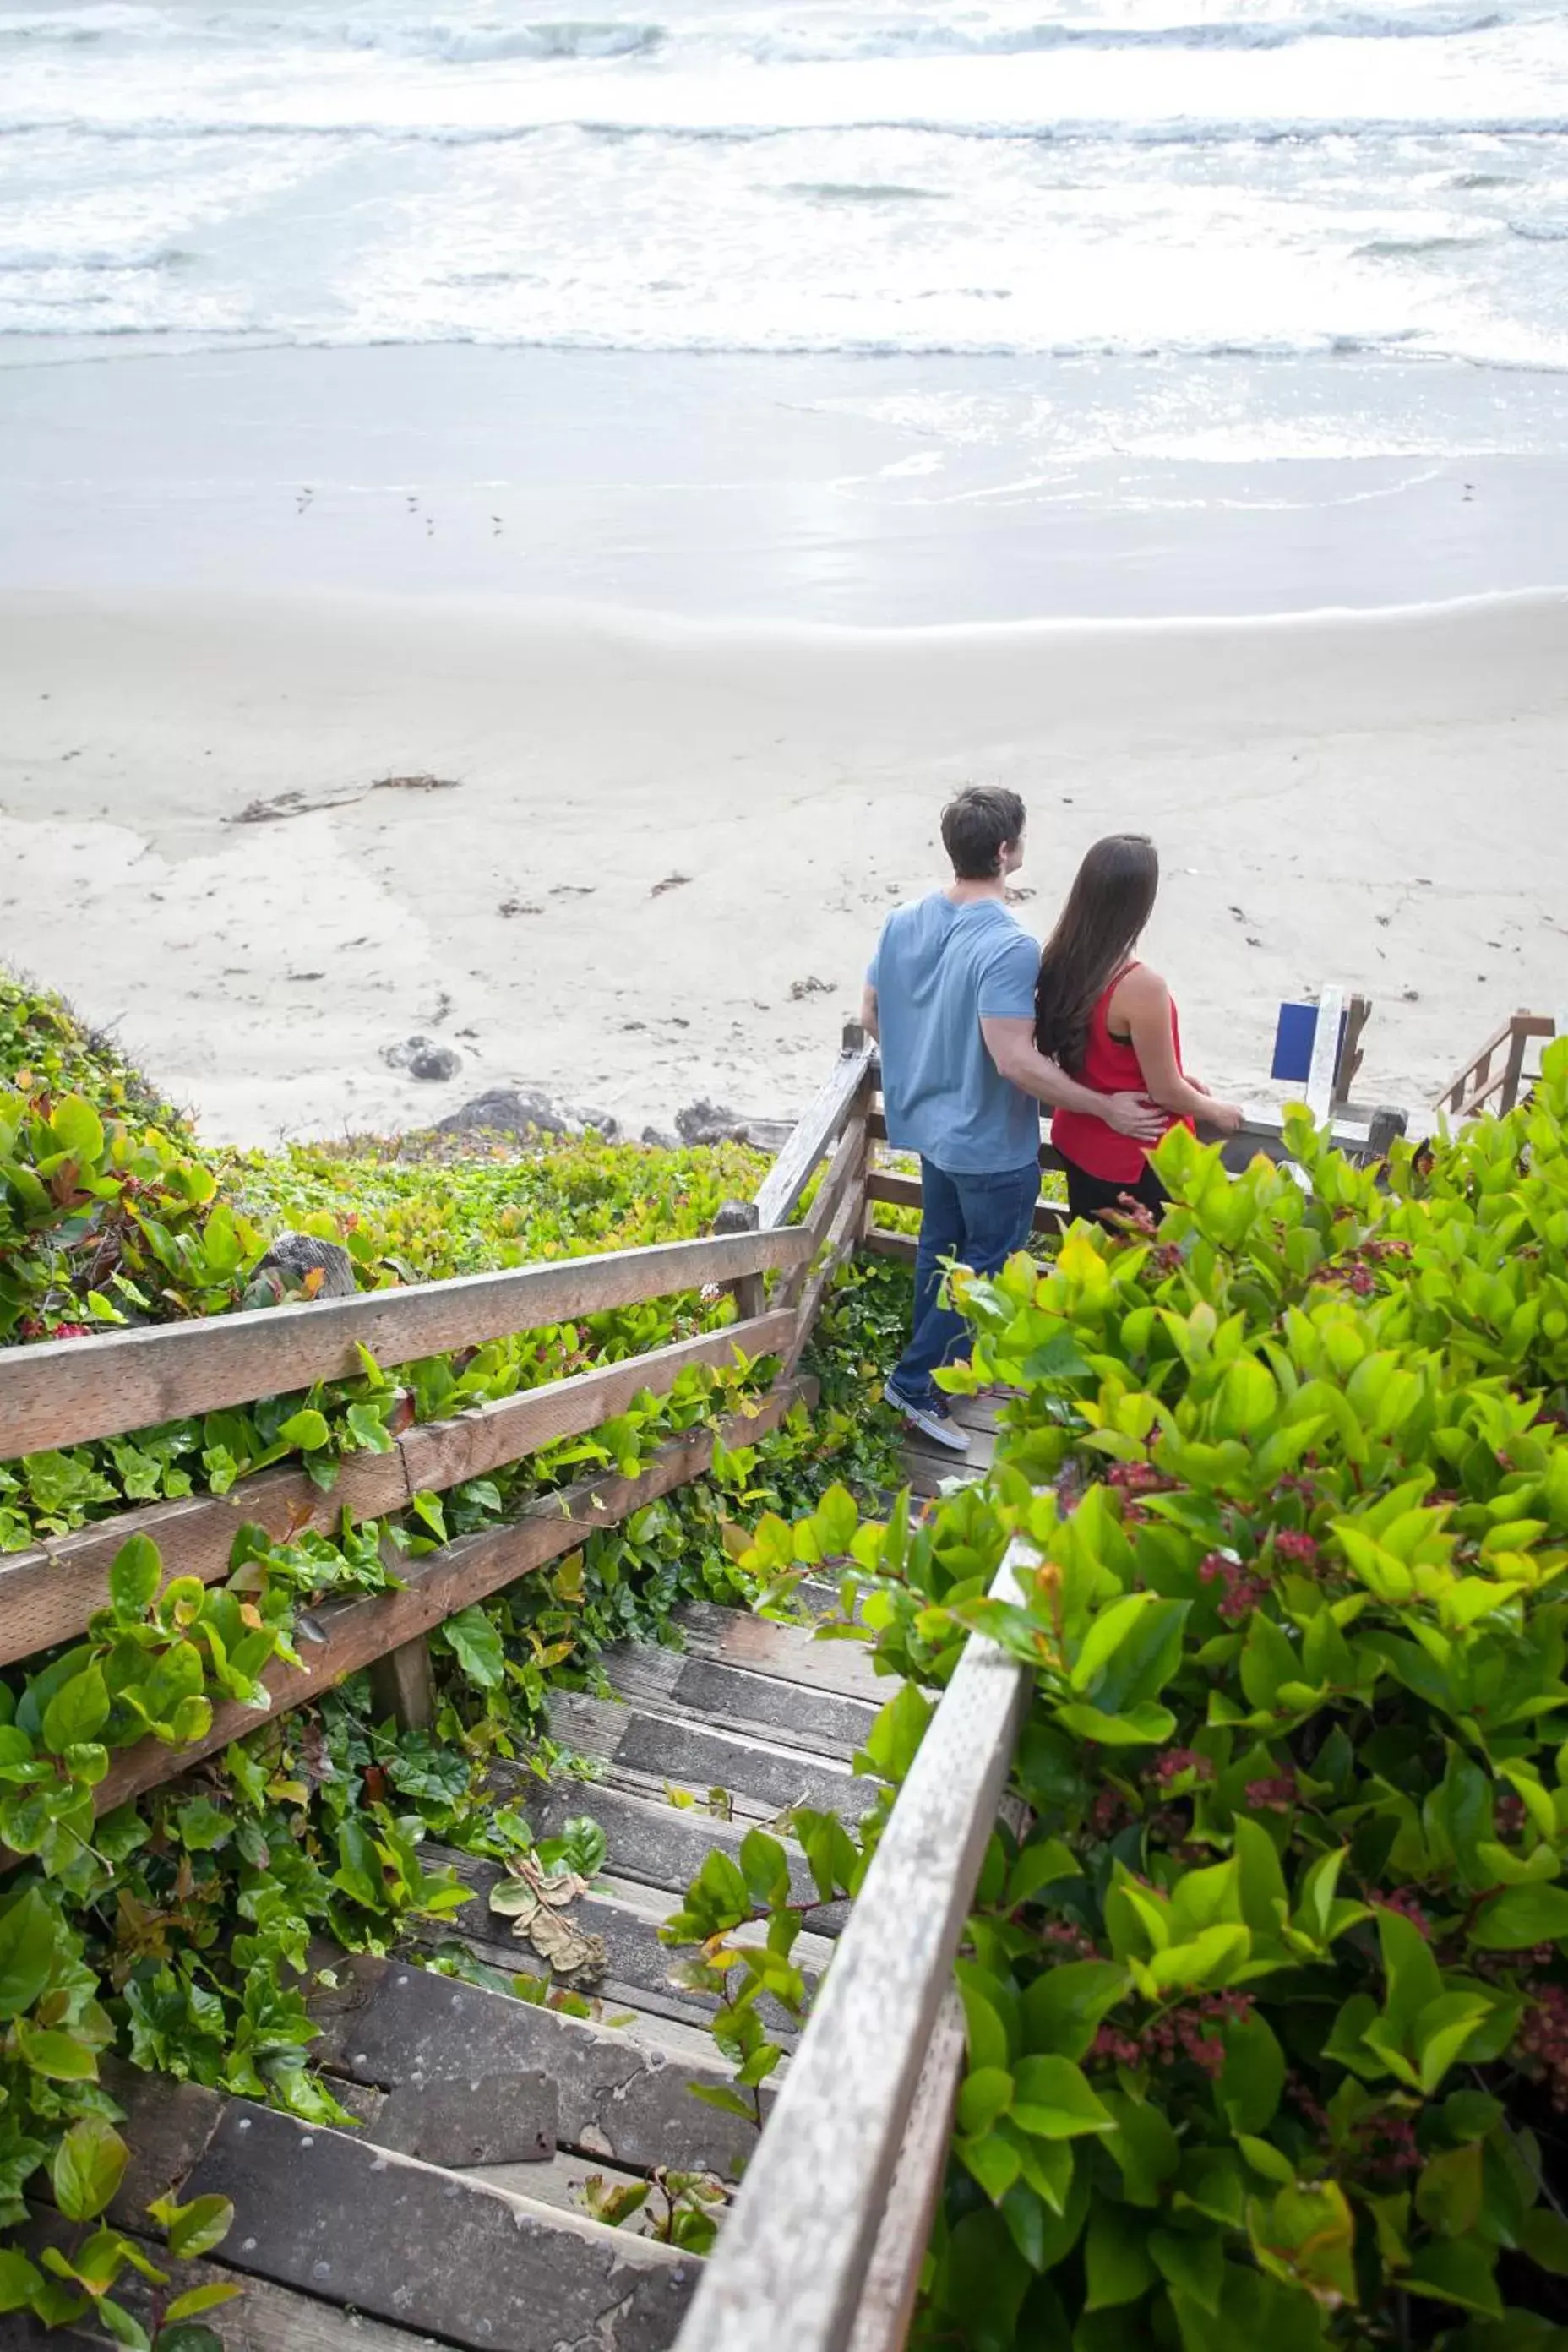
<point>480,2267</point>
<point>888,2295</point>
<point>790,2263</point>
<point>463,2120</point>
<point>441,1453</point>
<point>819,1124</point>
<point>628,1916</point>
<point>657,1843</point>
<point>62,1391</point>
<point>618,2097</point>
<point>904,1192</point>
<point>265,2318</point>
<point>48,1596</point>
<point>663,1681</point>
<point>791,1653</point>
<point>843,1178</point>
<point>356,1632</point>
<point>838,1246</point>
<point>882,1241</point>
<point>1319,1095</point>
<point>687,1757</point>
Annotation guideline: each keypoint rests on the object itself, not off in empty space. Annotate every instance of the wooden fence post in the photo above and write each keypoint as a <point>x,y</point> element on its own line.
<point>1387,1123</point>
<point>401,1685</point>
<point>749,1295</point>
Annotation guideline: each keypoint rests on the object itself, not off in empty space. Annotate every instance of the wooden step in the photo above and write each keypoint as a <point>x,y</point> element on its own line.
<point>266,2318</point>
<point>338,2218</point>
<point>734,1698</point>
<point>629,1917</point>
<point>391,2024</point>
<point>788,1652</point>
<point>651,1840</point>
<point>649,1753</point>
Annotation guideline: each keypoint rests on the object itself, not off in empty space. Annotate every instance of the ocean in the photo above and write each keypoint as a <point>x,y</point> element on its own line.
<point>1030,252</point>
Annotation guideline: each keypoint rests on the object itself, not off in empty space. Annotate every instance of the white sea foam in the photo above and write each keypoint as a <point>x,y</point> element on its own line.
<point>1180,179</point>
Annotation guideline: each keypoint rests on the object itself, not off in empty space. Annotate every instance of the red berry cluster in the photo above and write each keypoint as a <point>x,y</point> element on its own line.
<point>32,1326</point>
<point>1165,1261</point>
<point>1070,1939</point>
<point>1542,2042</point>
<point>1400,1899</point>
<point>1273,1795</point>
<point>1385,2149</point>
<point>1299,1549</point>
<point>1190,2032</point>
<point>1138,1478</point>
<point>1175,1762</point>
<point>1110,1813</point>
<point>1511,1814</point>
<point>1239,1592</point>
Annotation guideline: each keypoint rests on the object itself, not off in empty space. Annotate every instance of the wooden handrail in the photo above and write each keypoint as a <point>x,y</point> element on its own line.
<point>48,1595</point>
<point>1474,1082</point>
<point>792,2261</point>
<point>817,1128</point>
<point>355,1633</point>
<point>66,1391</point>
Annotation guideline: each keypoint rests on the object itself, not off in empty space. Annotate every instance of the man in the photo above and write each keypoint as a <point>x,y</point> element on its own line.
<point>950,997</point>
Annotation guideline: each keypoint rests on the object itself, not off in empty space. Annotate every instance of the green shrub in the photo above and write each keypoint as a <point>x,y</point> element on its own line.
<point>1267,2007</point>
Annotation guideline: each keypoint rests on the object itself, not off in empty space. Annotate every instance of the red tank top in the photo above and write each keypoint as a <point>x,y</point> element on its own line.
<point>1110,1066</point>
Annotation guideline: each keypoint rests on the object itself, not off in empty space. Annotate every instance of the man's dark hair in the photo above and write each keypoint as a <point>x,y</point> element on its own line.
<point>977,826</point>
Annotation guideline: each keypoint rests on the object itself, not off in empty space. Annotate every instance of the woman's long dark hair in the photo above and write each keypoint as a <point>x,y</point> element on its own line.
<point>1108,906</point>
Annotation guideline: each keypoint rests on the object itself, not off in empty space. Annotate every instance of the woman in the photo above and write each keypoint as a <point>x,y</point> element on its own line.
<point>1110,1024</point>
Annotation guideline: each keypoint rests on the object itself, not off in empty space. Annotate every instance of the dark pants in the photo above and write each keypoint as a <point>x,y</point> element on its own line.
<point>1091,1196</point>
<point>979,1221</point>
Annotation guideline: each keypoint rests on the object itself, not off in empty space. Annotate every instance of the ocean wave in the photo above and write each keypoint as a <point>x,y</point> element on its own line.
<point>1402,344</point>
<point>455,40</point>
<point>1540,232</point>
<point>1182,131</point>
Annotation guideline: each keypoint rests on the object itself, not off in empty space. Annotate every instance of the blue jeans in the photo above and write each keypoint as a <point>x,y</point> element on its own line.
<point>978,1220</point>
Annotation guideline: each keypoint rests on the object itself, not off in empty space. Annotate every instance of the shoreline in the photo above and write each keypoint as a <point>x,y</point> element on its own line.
<point>667,846</point>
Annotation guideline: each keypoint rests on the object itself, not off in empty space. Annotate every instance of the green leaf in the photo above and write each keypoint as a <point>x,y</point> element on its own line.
<point>893,1740</point>
<point>87,2168</point>
<point>202,1827</point>
<point>476,1647</point>
<point>1142,1727</point>
<point>359,1872</point>
<point>1195,2263</point>
<point>1042,1863</point>
<point>1116,2267</point>
<point>196,2228</point>
<point>1455,2270</point>
<point>1448,2193</point>
<point>77,1129</point>
<point>1411,1970</point>
<point>59,2056</point>
<point>984,2095</point>
<point>19,2280</point>
<point>307,1429</point>
<point>1520,1916</point>
<point>199,2299</point>
<point>77,1712</point>
<point>1544,2235</point>
<point>27,1932</point>
<point>1062,2009</point>
<point>1052,2100</point>
<point>1248,2089</point>
<point>134,1577</point>
<point>994,2162</point>
<point>1266,2159</point>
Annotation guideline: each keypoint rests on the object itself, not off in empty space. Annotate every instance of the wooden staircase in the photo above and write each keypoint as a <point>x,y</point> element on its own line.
<point>455,2213</point>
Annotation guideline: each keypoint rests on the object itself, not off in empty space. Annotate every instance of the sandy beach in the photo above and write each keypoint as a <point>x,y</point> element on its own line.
<point>663,848</point>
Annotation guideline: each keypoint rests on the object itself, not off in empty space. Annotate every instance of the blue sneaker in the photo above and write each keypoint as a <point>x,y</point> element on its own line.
<point>932,1421</point>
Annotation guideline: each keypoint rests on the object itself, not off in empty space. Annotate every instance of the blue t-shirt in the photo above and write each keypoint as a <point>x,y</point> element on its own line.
<point>938,970</point>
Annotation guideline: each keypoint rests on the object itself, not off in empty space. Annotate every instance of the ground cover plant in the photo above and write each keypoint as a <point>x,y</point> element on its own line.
<point>1267,2006</point>
<point>173,1932</point>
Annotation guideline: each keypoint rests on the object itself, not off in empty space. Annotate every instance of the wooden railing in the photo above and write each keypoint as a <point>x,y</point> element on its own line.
<point>822,2250</point>
<point>67,1392</point>
<point>1494,1078</point>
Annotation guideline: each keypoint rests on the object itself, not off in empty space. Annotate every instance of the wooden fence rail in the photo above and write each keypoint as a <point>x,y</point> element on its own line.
<point>65,1391</point>
<point>823,2248</point>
